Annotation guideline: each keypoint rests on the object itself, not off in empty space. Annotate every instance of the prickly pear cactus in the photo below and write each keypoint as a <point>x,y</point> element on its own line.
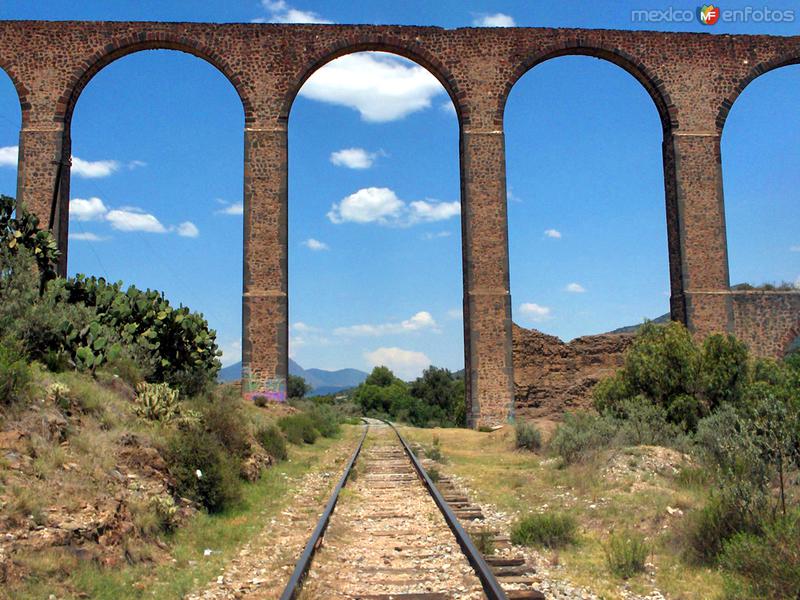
<point>156,401</point>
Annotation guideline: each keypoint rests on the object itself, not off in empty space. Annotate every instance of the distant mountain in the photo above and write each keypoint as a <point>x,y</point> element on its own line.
<point>321,381</point>
<point>634,328</point>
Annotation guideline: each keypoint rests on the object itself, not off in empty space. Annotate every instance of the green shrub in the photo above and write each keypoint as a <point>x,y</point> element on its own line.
<point>551,530</point>
<point>645,423</point>
<point>527,436</point>
<point>224,419</point>
<point>610,393</point>
<point>626,554</point>
<point>662,362</point>
<point>580,435</point>
<point>766,566</point>
<point>718,521</point>
<point>272,440</point>
<point>325,420</point>
<point>724,370</point>
<point>202,469</point>
<point>15,375</point>
<point>298,429</point>
<point>260,401</point>
<point>434,474</point>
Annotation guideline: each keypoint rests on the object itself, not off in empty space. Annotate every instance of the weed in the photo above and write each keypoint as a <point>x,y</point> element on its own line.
<point>626,554</point>
<point>551,530</point>
<point>484,542</point>
<point>527,436</point>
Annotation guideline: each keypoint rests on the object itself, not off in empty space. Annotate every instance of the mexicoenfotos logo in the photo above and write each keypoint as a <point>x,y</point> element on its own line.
<point>708,14</point>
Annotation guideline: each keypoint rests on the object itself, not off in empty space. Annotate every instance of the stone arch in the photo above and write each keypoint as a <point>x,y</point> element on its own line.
<point>22,92</point>
<point>651,83</point>
<point>135,43</point>
<point>789,338</point>
<point>755,72</point>
<point>371,43</point>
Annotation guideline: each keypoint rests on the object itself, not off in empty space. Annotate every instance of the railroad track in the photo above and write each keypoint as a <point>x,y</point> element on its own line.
<point>390,534</point>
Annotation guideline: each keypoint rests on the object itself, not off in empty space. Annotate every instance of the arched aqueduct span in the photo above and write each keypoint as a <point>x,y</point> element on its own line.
<point>693,80</point>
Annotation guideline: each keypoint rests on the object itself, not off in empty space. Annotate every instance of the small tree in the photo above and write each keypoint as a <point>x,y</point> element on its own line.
<point>380,376</point>
<point>297,387</point>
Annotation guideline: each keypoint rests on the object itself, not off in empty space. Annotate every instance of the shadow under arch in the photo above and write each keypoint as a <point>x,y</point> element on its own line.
<point>756,72</point>
<point>400,48</point>
<point>652,84</point>
<point>136,43</point>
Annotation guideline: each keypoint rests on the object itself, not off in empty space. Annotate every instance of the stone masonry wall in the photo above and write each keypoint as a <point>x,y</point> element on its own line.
<point>552,377</point>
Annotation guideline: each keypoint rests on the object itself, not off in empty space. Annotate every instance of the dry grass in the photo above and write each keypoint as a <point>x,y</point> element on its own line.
<point>521,482</point>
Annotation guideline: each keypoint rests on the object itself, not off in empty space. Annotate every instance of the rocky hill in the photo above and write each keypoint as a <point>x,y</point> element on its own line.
<point>552,377</point>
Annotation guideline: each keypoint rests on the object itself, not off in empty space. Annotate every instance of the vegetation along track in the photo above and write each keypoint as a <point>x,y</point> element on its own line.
<point>392,535</point>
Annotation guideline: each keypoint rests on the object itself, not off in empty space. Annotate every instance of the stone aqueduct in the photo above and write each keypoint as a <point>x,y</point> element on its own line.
<point>693,80</point>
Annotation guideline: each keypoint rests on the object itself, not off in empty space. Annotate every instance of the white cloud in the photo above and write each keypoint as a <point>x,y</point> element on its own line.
<point>575,288</point>
<point>135,164</point>
<point>231,352</point>
<point>93,169</point>
<point>510,195</point>
<point>455,313</point>
<point>379,86</point>
<point>424,211</point>
<point>188,229</point>
<point>535,312</point>
<point>315,245</point>
<point>421,321</point>
<point>281,12</point>
<point>406,364</point>
<point>305,335</point>
<point>86,169</point>
<point>368,205</point>
<point>353,158</point>
<point>8,156</point>
<point>382,206</point>
<point>87,236</point>
<point>133,219</point>
<point>90,209</point>
<point>791,248</point>
<point>233,209</point>
<point>553,233</point>
<point>494,20</point>
<point>797,282</point>
<point>437,235</point>
<point>448,107</point>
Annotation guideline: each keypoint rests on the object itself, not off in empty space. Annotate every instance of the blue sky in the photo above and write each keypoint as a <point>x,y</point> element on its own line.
<point>375,259</point>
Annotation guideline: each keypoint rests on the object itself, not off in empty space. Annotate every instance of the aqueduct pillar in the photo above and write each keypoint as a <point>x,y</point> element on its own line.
<point>487,300</point>
<point>265,307</point>
<point>703,302</point>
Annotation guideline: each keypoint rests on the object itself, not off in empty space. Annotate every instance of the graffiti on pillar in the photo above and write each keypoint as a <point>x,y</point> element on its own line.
<point>257,385</point>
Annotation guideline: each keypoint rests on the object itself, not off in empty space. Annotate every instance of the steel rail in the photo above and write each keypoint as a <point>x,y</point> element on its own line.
<point>304,562</point>
<point>491,586</point>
